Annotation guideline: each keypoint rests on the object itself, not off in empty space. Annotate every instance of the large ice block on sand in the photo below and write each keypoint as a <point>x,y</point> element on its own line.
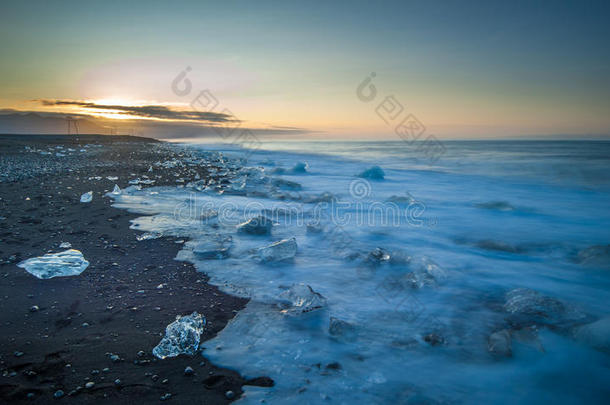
<point>67,263</point>
<point>181,336</point>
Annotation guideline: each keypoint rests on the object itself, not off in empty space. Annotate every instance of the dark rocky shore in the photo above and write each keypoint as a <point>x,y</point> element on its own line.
<point>58,335</point>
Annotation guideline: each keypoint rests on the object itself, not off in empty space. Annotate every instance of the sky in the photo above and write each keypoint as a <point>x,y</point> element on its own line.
<point>463,69</point>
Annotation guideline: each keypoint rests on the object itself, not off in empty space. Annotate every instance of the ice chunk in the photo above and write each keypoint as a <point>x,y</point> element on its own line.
<point>284,249</point>
<point>112,178</point>
<point>217,248</point>
<point>141,181</point>
<point>65,245</point>
<point>595,256</point>
<point>301,298</point>
<point>401,199</point>
<point>377,256</point>
<point>286,184</point>
<point>259,225</point>
<point>342,330</point>
<point>181,336</point>
<point>87,197</point>
<point>116,190</point>
<point>300,167</point>
<point>68,263</point>
<point>373,173</point>
<point>499,343</point>
<point>529,306</point>
<point>496,205</point>
<point>596,334</point>
<point>148,236</point>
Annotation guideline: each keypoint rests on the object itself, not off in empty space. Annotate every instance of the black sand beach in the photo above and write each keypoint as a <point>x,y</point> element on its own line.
<point>59,334</point>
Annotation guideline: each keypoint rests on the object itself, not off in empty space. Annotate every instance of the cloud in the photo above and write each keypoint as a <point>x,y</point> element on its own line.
<point>149,111</point>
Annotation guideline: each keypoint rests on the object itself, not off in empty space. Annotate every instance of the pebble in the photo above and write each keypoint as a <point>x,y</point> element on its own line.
<point>105,370</point>
<point>229,394</point>
<point>165,381</point>
<point>154,377</point>
<point>95,372</point>
<point>141,353</point>
<point>117,382</point>
<point>31,395</point>
<point>166,396</point>
<point>58,394</point>
<point>115,358</point>
<point>18,354</point>
<point>90,384</point>
<point>34,308</point>
<point>189,371</point>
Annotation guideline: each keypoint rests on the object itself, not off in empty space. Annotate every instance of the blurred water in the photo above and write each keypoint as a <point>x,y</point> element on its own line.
<point>484,218</point>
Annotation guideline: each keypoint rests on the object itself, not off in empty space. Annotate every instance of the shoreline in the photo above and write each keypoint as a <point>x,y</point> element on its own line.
<point>59,333</point>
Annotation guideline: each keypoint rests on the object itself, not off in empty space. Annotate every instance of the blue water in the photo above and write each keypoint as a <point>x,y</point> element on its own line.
<point>482,218</point>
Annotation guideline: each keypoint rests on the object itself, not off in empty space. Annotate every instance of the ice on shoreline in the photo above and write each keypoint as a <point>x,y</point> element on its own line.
<point>87,197</point>
<point>68,263</point>
<point>181,336</point>
<point>284,249</point>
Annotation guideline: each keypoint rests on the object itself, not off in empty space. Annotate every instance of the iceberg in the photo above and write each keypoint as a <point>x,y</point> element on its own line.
<point>87,197</point>
<point>181,336</point>
<point>68,263</point>
<point>260,225</point>
<point>374,173</point>
<point>301,298</point>
<point>284,249</point>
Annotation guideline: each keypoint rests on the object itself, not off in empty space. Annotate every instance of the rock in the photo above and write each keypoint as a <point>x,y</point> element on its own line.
<point>141,353</point>
<point>154,378</point>
<point>596,334</point>
<point>115,358</point>
<point>90,385</point>
<point>499,343</point>
<point>18,354</point>
<point>58,394</point>
<point>165,397</point>
<point>189,371</point>
<point>34,308</point>
<point>230,394</point>
<point>118,382</point>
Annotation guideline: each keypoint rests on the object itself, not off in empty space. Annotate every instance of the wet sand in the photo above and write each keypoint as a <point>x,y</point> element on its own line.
<point>60,333</point>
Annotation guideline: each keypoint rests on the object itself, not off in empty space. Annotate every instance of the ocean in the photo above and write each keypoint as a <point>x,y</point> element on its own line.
<point>467,276</point>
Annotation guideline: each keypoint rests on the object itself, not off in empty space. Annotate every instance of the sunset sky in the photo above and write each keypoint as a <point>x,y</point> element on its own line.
<point>467,69</point>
